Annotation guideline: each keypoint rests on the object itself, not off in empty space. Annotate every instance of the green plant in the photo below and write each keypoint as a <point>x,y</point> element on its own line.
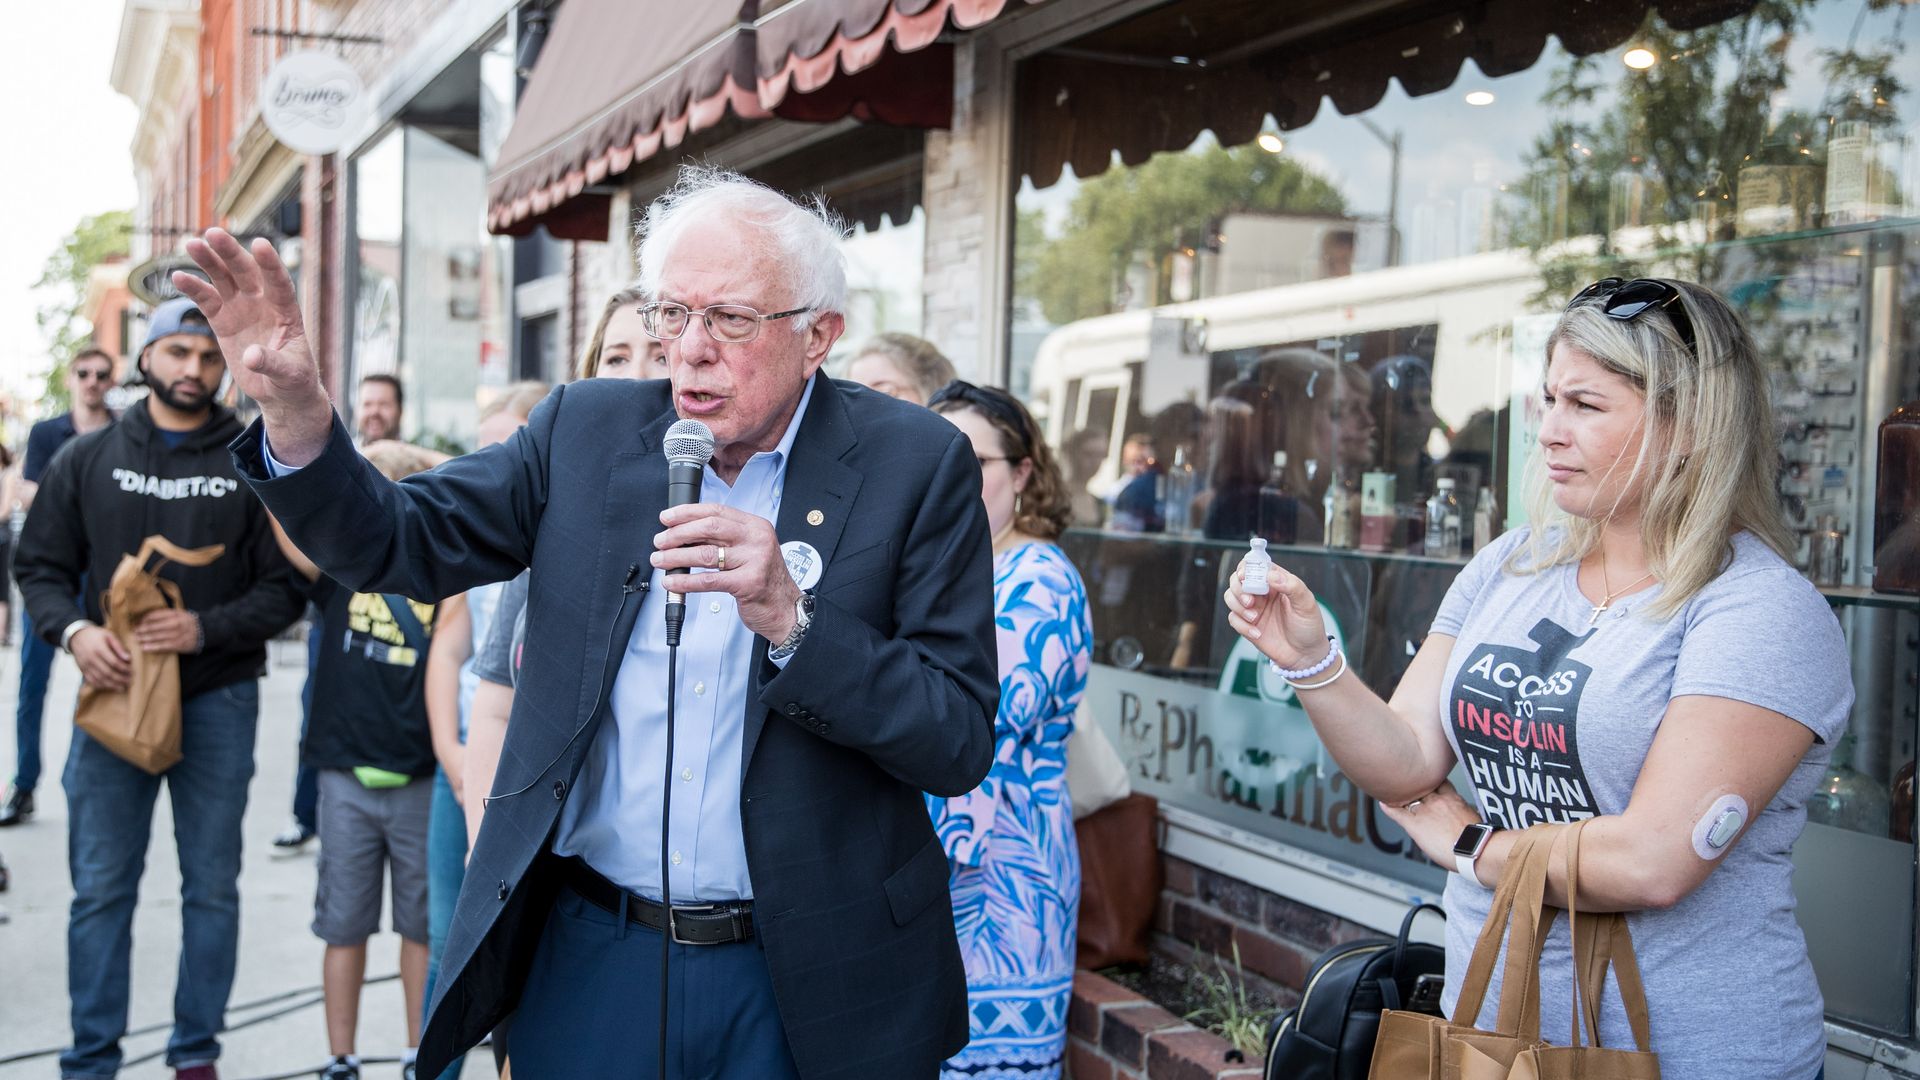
<point>1227,1009</point>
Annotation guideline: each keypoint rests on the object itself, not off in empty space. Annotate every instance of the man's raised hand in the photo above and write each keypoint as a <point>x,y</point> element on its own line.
<point>249,302</point>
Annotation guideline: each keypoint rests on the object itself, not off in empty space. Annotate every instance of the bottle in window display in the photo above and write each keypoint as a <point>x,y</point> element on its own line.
<point>1177,491</point>
<point>1779,186</point>
<point>1279,508</point>
<point>1847,798</point>
<point>1896,504</point>
<point>1485,524</point>
<point>1443,520</point>
<point>1341,506</point>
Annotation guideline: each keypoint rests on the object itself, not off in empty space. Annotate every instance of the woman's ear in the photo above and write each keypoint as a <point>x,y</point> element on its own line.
<point>1022,474</point>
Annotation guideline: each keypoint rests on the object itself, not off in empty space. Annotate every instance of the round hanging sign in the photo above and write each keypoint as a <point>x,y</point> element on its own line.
<point>313,102</point>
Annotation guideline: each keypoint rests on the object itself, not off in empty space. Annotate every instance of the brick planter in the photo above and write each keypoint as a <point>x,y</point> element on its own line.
<point>1115,1034</point>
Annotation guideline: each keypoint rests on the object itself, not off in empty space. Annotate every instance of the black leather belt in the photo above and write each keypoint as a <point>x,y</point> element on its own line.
<point>693,924</point>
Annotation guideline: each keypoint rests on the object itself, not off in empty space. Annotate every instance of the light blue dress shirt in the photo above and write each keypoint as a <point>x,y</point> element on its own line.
<point>612,816</point>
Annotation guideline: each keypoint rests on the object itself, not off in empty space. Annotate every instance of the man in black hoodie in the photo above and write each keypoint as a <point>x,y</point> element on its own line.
<point>163,469</point>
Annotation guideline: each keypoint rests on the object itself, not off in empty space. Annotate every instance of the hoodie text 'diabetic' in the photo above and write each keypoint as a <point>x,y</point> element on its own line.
<point>108,490</point>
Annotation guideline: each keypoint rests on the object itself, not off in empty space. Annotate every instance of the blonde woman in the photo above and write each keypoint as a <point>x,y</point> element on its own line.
<point>620,347</point>
<point>1645,656</point>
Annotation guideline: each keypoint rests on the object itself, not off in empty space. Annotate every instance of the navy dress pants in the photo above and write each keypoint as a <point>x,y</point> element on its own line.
<point>591,1005</point>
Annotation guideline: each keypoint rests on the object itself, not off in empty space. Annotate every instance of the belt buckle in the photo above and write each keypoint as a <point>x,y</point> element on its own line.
<point>673,923</point>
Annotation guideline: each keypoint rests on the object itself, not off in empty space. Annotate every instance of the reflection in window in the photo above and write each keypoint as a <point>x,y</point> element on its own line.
<point>1309,287</point>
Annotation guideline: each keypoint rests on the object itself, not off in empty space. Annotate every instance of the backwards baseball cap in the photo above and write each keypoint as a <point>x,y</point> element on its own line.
<point>172,318</point>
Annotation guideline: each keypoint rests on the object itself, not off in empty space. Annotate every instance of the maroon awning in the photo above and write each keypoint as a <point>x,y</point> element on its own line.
<point>616,82</point>
<point>806,45</point>
<point>1155,82</point>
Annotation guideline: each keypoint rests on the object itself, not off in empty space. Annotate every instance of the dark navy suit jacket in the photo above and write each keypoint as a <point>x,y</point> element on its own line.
<point>892,692</point>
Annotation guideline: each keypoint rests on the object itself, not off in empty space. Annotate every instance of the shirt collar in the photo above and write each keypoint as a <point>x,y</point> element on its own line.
<point>782,451</point>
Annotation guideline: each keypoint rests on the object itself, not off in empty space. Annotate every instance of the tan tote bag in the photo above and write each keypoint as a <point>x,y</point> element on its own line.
<point>1417,1046</point>
<point>141,724</point>
<point>1600,942</point>
<point>1413,1046</point>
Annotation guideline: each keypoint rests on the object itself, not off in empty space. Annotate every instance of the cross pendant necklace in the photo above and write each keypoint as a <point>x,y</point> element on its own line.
<point>1610,592</point>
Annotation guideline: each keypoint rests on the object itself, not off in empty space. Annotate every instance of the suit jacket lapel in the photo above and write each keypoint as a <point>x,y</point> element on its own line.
<point>636,492</point>
<point>819,485</point>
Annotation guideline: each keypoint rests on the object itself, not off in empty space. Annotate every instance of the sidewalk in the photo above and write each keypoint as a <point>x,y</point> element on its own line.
<point>279,957</point>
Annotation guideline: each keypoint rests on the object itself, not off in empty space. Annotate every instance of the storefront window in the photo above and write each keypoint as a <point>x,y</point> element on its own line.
<point>884,264</point>
<point>1241,310</point>
<point>378,191</point>
<point>497,81</point>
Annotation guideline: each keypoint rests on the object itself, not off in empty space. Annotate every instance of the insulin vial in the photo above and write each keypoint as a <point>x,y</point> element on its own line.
<point>1253,579</point>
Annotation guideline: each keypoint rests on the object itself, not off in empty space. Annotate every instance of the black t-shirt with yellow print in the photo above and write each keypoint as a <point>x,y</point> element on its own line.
<point>369,686</point>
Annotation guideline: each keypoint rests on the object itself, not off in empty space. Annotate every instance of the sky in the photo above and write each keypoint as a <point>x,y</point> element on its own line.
<point>66,135</point>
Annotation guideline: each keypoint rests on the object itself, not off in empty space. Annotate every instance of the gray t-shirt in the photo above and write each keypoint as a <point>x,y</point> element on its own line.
<point>498,660</point>
<point>1553,721</point>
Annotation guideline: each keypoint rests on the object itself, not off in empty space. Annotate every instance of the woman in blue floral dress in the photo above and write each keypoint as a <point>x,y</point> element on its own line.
<point>1010,842</point>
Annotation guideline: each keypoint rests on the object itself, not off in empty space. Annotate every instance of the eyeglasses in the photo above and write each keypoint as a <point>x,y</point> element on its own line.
<point>735,324</point>
<point>93,376</point>
<point>1628,300</point>
<point>986,461</point>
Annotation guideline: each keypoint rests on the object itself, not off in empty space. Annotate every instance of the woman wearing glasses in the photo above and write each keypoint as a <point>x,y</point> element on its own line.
<point>1010,846</point>
<point>1644,655</point>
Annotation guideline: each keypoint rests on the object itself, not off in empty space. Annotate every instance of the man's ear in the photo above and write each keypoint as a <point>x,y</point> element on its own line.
<point>821,335</point>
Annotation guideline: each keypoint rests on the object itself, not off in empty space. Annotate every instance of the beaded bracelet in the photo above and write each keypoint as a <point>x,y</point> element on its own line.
<point>1328,681</point>
<point>1333,653</point>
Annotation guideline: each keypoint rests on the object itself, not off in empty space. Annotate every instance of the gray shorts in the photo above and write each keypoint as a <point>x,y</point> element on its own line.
<point>362,832</point>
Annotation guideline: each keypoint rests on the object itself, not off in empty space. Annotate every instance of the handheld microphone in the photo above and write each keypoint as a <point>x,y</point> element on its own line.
<point>689,446</point>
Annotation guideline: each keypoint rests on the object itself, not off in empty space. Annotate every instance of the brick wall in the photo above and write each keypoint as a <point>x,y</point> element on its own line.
<point>1205,913</point>
<point>1115,1034</point>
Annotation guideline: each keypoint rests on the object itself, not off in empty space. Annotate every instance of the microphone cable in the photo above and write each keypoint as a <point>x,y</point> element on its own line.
<point>676,615</point>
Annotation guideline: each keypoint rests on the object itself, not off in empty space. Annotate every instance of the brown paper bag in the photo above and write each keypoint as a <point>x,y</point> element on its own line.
<point>141,724</point>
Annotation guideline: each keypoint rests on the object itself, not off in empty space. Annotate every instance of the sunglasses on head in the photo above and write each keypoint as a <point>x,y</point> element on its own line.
<point>991,404</point>
<point>1628,300</point>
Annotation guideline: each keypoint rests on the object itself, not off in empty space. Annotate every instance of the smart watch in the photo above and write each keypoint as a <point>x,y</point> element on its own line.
<point>1467,849</point>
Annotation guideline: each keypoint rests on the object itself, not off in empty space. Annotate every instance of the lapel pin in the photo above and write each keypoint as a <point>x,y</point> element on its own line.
<point>815,517</point>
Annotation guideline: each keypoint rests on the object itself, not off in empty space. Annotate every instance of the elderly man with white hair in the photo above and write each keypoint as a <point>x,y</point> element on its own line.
<point>770,843</point>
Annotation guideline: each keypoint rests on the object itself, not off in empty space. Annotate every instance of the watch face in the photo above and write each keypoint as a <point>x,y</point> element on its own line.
<point>1472,839</point>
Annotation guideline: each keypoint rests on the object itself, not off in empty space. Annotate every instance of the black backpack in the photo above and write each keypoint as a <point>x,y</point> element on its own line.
<point>1329,1035</point>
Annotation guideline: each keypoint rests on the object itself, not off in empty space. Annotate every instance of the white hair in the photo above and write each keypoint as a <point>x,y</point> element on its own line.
<point>804,238</point>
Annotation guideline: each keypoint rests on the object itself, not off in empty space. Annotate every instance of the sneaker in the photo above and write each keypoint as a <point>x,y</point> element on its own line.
<point>18,809</point>
<point>406,1071</point>
<point>292,838</point>
<point>196,1072</point>
<point>340,1069</point>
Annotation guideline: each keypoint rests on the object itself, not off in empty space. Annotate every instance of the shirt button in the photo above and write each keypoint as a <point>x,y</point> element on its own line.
<point>686,774</point>
<point>699,688</point>
<point>676,858</point>
<point>714,607</point>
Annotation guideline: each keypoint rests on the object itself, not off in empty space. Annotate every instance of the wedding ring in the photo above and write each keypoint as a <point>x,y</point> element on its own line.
<point>723,559</point>
<point>1415,804</point>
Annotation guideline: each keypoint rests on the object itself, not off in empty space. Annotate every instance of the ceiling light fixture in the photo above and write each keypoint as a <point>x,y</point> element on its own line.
<point>1271,143</point>
<point>1480,97</point>
<point>1639,58</point>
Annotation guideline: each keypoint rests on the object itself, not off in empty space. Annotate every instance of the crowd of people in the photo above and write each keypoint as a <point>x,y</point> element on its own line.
<point>798,747</point>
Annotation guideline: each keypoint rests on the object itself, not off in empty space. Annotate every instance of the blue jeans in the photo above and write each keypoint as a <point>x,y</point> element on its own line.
<point>446,868</point>
<point>36,664</point>
<point>110,815</point>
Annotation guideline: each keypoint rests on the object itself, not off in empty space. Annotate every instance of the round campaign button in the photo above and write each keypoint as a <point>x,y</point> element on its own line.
<point>803,562</point>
